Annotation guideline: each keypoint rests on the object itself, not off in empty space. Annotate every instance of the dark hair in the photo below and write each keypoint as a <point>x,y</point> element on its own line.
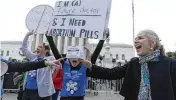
<point>63,55</point>
<point>47,47</point>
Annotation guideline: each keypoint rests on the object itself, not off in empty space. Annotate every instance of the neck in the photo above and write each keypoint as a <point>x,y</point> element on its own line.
<point>149,56</point>
<point>41,55</point>
<point>148,53</point>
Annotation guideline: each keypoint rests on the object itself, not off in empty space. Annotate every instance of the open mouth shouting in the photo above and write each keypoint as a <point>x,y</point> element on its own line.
<point>138,47</point>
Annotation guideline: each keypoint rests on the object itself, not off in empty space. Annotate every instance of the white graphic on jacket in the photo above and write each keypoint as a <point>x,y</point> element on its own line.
<point>72,87</point>
<point>32,73</point>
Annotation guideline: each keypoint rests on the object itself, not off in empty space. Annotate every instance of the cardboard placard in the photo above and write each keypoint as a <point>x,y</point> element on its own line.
<point>38,19</point>
<point>80,18</point>
<point>75,52</point>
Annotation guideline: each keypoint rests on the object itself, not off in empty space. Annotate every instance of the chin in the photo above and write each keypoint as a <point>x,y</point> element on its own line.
<point>141,54</point>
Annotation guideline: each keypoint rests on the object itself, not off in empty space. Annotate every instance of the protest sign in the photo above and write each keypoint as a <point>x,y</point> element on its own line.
<point>80,18</point>
<point>38,18</point>
<point>4,68</point>
<point>75,52</point>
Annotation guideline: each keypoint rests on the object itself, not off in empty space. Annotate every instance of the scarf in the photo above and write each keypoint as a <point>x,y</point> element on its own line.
<point>144,90</point>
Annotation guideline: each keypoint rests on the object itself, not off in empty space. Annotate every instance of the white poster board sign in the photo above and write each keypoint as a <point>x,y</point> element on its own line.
<point>38,19</point>
<point>4,68</point>
<point>80,18</point>
<point>75,52</point>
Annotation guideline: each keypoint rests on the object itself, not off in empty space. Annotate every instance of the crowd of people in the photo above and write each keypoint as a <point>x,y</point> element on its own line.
<point>151,76</point>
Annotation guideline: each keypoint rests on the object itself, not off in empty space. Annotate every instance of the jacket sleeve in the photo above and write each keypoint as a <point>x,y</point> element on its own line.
<point>54,49</point>
<point>107,73</point>
<point>173,76</point>
<point>97,51</point>
<point>29,55</point>
<point>23,67</point>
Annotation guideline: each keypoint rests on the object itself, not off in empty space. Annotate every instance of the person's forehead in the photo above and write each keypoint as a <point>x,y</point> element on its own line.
<point>140,35</point>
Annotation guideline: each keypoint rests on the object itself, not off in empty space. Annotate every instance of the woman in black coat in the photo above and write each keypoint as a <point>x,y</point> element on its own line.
<point>151,76</point>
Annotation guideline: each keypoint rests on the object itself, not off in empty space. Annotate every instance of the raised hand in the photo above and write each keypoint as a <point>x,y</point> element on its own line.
<point>28,34</point>
<point>107,32</point>
<point>88,54</point>
<point>86,63</point>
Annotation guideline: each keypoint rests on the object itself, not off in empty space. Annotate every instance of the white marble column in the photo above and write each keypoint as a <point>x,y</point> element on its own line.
<point>33,42</point>
<point>65,45</point>
<point>76,41</point>
<point>39,40</point>
<point>44,39</point>
<point>59,44</point>
<point>70,41</point>
<point>62,44</point>
<point>73,41</point>
<point>81,41</point>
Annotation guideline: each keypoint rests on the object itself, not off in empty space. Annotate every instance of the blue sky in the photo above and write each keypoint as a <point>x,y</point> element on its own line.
<point>159,15</point>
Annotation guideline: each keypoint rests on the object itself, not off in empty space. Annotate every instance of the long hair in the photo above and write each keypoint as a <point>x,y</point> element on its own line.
<point>48,50</point>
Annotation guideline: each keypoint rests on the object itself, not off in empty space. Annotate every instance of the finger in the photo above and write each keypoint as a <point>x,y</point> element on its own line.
<point>81,60</point>
<point>53,64</point>
<point>61,59</point>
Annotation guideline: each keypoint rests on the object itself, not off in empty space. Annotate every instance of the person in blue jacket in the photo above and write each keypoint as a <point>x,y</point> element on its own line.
<point>8,66</point>
<point>75,74</point>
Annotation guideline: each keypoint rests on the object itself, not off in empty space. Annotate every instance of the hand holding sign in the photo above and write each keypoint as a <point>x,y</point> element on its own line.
<point>107,33</point>
<point>88,54</point>
<point>28,34</point>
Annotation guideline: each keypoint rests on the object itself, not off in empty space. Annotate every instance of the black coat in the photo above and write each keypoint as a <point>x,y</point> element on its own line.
<point>23,67</point>
<point>162,78</point>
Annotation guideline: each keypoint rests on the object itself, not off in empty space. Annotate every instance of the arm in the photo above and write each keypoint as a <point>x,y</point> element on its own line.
<point>97,51</point>
<point>23,67</point>
<point>58,77</point>
<point>107,73</point>
<point>54,49</point>
<point>98,48</point>
<point>29,55</point>
<point>173,76</point>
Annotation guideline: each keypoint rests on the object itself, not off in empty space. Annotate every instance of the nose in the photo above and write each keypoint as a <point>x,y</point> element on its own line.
<point>136,41</point>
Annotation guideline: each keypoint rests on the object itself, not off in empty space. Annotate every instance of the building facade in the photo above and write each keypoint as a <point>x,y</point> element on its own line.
<point>11,49</point>
<point>120,52</point>
<point>61,42</point>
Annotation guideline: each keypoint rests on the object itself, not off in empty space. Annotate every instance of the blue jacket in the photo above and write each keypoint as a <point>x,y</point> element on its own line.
<point>74,81</point>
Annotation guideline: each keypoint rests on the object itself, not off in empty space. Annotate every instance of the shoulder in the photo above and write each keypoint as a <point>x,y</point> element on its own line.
<point>134,60</point>
<point>168,58</point>
<point>173,61</point>
<point>50,58</point>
